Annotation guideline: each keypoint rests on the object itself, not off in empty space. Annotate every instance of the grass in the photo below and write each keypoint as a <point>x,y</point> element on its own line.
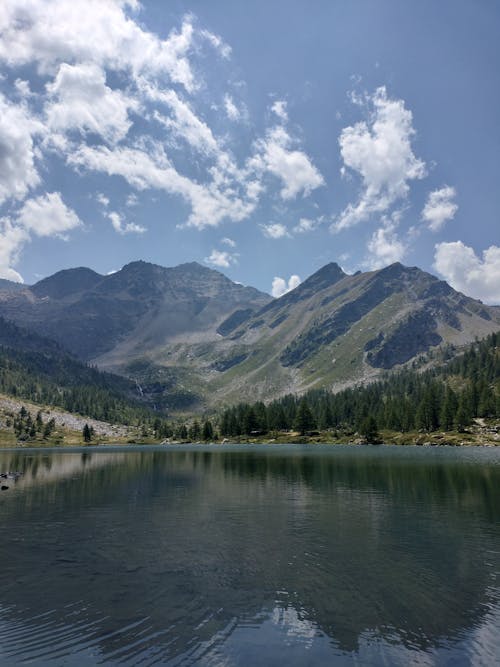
<point>60,438</point>
<point>66,438</point>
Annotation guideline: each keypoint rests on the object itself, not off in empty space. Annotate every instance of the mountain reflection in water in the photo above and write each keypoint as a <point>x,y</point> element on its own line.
<point>210,556</point>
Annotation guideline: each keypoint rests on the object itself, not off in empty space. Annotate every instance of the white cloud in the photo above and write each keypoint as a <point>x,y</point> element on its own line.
<point>132,200</point>
<point>275,230</point>
<point>49,32</point>
<point>219,44</point>
<point>279,108</point>
<point>478,277</point>
<point>18,172</point>
<point>47,215</point>
<point>305,225</point>
<point>380,152</point>
<point>440,208</point>
<point>102,199</point>
<point>232,111</point>
<point>23,88</point>
<point>229,242</point>
<point>280,285</point>
<point>104,86</point>
<point>184,123</point>
<point>210,203</point>
<point>122,227</point>
<point>12,239</point>
<point>222,258</point>
<point>385,247</point>
<point>293,167</point>
<point>81,100</point>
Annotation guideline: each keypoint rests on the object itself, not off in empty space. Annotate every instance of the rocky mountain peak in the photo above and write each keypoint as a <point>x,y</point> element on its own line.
<point>325,277</point>
<point>66,283</point>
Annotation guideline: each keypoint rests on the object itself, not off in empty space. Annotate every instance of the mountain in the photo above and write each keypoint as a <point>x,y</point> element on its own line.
<point>191,334</point>
<point>40,370</point>
<point>10,286</point>
<point>142,306</point>
<point>66,283</point>
<point>460,394</point>
<point>337,330</point>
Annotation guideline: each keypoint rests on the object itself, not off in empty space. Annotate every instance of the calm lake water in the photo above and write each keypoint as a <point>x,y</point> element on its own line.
<point>251,555</point>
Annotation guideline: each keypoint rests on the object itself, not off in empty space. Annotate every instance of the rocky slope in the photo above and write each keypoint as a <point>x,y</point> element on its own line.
<point>191,332</point>
<point>141,306</point>
<point>336,329</point>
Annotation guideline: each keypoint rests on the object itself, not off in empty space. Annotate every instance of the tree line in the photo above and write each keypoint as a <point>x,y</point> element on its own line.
<point>444,398</point>
<point>59,380</point>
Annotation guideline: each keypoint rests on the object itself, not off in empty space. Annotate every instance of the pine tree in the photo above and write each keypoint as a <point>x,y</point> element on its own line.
<point>464,416</point>
<point>49,428</point>
<point>369,429</point>
<point>304,420</point>
<point>250,423</point>
<point>208,431</point>
<point>87,435</point>
<point>195,431</point>
<point>39,421</point>
<point>448,410</point>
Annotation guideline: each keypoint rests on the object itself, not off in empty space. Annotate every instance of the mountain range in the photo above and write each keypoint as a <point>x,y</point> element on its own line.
<point>193,338</point>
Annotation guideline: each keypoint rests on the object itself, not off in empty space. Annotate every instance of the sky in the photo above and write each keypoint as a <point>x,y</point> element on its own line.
<point>263,139</point>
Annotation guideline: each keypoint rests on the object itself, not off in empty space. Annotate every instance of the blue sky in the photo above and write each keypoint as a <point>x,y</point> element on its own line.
<point>263,139</point>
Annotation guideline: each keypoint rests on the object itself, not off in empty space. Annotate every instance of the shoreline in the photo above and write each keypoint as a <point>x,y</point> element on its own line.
<point>427,441</point>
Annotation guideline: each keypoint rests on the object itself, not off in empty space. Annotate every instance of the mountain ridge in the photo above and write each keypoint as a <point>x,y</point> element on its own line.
<point>190,328</point>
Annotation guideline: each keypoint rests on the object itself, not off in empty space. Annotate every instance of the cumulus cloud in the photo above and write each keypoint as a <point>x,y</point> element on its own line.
<point>380,152</point>
<point>222,258</point>
<point>122,227</point>
<point>107,96</point>
<point>54,31</point>
<point>384,246</point>
<point>276,155</point>
<point>18,172</point>
<point>478,277</point>
<point>275,230</point>
<point>12,239</point>
<point>81,100</point>
<point>47,215</point>
<point>229,242</point>
<point>440,208</point>
<point>280,286</point>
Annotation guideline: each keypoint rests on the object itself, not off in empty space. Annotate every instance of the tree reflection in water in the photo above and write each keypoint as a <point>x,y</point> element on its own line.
<point>202,553</point>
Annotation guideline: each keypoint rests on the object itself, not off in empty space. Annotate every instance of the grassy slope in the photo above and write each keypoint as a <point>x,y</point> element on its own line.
<point>335,364</point>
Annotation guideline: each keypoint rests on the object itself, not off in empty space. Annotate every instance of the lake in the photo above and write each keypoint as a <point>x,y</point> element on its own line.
<point>251,555</point>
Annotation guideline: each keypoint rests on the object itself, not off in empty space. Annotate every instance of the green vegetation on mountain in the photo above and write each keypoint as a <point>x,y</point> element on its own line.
<point>445,398</point>
<point>340,354</point>
<point>39,370</point>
